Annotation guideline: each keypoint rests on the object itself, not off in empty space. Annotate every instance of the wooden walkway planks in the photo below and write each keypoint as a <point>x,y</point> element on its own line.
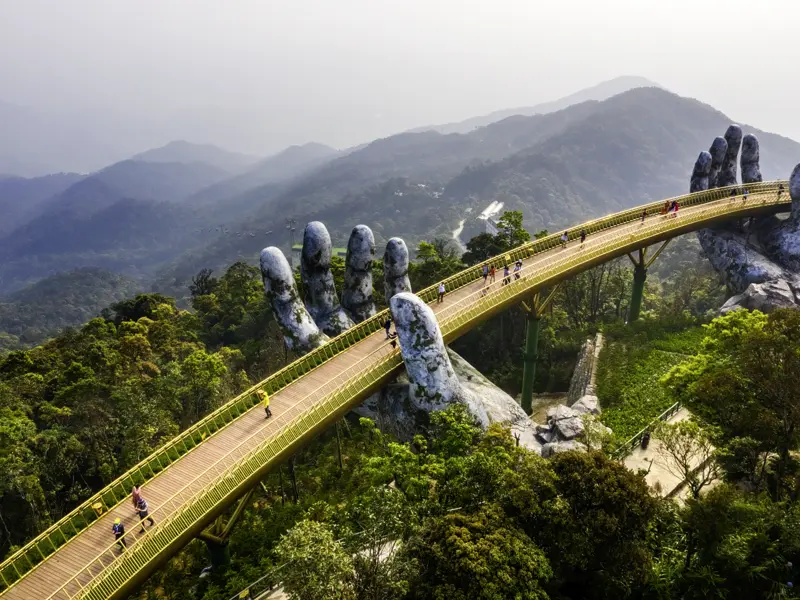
<point>246,432</point>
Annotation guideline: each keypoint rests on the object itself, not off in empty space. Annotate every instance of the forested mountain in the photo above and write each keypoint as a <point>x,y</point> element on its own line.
<point>21,198</point>
<point>119,218</point>
<point>282,167</point>
<point>637,147</point>
<point>559,169</point>
<point>181,151</point>
<point>170,181</point>
<point>40,311</point>
<point>601,91</point>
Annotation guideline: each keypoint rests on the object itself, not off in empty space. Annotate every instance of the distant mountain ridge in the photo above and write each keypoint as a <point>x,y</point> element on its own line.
<point>288,164</point>
<point>599,92</point>
<point>21,198</point>
<point>558,168</point>
<point>181,151</point>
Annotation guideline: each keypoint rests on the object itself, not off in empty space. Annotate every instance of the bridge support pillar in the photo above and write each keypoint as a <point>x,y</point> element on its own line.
<point>216,537</point>
<point>637,293</point>
<point>531,355</point>
<point>640,265</point>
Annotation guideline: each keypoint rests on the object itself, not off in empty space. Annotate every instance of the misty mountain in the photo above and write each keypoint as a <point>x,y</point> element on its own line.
<point>69,299</point>
<point>184,152</point>
<point>282,167</point>
<point>637,147</point>
<point>21,199</point>
<point>123,235</point>
<point>601,91</point>
<point>125,217</point>
<point>168,181</point>
<point>559,169</point>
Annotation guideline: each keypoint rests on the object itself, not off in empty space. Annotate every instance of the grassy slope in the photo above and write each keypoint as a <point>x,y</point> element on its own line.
<point>631,365</point>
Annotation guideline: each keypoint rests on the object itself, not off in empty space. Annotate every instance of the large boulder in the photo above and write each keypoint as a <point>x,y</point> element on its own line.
<point>587,405</point>
<point>764,297</point>
<point>552,448</point>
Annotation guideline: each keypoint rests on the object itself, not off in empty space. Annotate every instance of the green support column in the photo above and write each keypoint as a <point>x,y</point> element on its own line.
<point>639,278</point>
<point>530,358</point>
<point>640,267</point>
<point>219,552</point>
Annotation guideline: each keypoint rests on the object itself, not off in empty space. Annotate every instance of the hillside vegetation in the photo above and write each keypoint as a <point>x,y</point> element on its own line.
<point>69,299</point>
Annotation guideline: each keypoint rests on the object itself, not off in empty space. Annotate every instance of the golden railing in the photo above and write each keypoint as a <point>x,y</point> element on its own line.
<point>770,197</point>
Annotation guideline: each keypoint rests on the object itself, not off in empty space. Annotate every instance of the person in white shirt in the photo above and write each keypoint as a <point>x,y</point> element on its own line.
<point>441,293</point>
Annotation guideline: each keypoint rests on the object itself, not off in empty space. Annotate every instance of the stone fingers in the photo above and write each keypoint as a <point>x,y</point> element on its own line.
<point>357,298</point>
<point>299,330</point>
<point>751,171</point>
<point>395,268</point>
<point>319,290</point>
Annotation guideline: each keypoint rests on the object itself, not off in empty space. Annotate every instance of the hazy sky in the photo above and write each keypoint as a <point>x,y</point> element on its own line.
<point>257,75</point>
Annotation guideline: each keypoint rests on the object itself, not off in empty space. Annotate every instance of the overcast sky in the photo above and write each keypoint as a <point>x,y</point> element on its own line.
<point>257,75</point>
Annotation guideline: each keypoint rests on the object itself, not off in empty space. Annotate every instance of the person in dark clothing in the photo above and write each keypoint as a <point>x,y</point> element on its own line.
<point>119,530</point>
<point>141,509</point>
<point>485,271</point>
<point>583,236</point>
<point>387,326</point>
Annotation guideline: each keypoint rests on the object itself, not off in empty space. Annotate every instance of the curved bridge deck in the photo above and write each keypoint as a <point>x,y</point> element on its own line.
<point>197,486</point>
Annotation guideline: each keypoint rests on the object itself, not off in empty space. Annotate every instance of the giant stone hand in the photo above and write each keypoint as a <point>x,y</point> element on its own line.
<point>760,261</point>
<point>435,377</point>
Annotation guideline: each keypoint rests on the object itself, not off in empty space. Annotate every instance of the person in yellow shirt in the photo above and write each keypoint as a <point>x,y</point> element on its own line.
<point>265,400</point>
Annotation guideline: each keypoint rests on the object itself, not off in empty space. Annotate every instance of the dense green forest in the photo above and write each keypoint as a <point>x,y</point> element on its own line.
<point>69,299</point>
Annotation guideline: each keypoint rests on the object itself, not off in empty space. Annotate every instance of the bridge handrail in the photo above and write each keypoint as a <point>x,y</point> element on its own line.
<point>630,444</point>
<point>227,473</point>
<point>35,551</point>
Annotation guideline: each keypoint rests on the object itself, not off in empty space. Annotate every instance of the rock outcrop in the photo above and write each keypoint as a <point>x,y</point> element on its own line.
<point>764,297</point>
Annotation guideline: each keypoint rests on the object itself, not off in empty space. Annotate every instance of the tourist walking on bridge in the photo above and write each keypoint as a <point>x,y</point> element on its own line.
<point>583,237</point>
<point>517,269</point>
<point>485,273</point>
<point>264,396</point>
<point>564,239</point>
<point>387,326</point>
<point>492,273</point>
<point>441,294</point>
<point>136,493</point>
<point>141,510</point>
<point>119,530</point>
<point>506,275</point>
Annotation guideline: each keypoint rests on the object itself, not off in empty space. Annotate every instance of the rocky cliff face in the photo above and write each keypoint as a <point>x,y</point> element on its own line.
<point>760,260</point>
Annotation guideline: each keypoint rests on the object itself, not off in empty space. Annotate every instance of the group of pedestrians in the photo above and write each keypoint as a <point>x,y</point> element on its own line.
<point>140,508</point>
<point>565,238</point>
